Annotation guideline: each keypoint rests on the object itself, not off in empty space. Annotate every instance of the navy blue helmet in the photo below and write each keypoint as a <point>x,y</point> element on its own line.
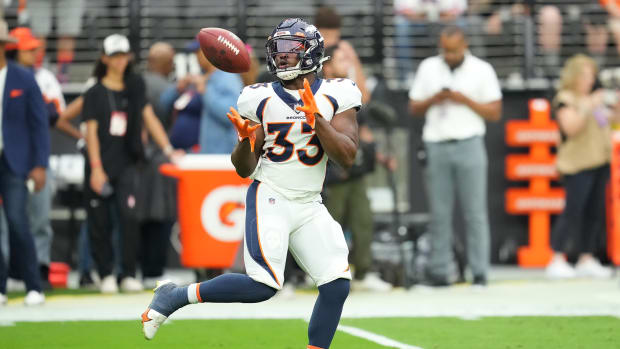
<point>294,35</point>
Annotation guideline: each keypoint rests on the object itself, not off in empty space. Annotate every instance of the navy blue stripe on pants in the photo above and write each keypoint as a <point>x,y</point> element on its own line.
<point>251,228</point>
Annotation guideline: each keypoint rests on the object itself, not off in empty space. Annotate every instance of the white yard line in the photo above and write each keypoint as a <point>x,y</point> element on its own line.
<point>375,338</point>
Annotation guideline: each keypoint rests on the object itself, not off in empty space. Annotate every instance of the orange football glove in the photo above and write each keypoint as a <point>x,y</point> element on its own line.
<point>309,108</point>
<point>243,127</point>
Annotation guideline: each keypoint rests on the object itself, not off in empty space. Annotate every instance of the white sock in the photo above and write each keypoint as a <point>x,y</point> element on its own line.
<point>192,293</point>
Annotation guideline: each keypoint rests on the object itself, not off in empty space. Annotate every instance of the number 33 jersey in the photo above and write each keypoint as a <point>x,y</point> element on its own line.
<point>293,162</point>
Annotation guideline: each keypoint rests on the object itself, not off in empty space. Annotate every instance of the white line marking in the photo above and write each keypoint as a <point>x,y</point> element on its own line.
<point>373,337</point>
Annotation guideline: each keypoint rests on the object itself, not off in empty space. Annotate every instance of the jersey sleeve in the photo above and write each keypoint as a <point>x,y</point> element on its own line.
<point>419,90</point>
<point>346,94</point>
<point>249,100</point>
<point>491,90</point>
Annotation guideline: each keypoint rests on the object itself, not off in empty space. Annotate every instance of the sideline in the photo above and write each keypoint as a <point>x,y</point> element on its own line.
<point>373,337</point>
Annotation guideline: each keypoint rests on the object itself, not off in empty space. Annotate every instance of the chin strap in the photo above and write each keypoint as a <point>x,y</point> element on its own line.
<point>293,73</point>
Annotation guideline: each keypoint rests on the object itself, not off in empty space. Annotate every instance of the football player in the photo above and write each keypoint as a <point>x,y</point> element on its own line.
<point>287,130</point>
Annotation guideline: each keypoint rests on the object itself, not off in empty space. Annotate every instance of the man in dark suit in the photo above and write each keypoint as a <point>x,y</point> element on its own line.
<point>24,153</point>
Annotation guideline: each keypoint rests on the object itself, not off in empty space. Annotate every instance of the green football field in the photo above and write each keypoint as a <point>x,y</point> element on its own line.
<point>427,333</point>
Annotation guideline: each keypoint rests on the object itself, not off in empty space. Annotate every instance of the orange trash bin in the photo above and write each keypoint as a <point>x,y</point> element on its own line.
<point>211,209</point>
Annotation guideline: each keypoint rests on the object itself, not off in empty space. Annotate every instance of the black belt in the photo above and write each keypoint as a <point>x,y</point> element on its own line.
<point>453,140</point>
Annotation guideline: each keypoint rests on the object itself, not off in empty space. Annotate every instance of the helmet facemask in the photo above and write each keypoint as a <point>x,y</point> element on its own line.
<point>308,49</point>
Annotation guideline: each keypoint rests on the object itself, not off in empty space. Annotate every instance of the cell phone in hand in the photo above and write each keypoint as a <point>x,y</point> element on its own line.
<point>107,190</point>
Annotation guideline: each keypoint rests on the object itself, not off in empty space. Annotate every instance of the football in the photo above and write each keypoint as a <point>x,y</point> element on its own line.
<point>224,50</point>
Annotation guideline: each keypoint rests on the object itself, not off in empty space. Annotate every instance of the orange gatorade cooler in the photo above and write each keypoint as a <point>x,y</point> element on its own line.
<point>211,204</point>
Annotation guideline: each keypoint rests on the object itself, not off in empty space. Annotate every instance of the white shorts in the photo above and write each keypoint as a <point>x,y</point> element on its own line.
<point>274,224</point>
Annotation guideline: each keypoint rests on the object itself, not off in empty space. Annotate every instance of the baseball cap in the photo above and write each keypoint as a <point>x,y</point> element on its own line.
<point>25,40</point>
<point>115,43</point>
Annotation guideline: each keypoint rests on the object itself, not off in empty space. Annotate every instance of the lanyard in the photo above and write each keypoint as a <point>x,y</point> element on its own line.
<point>111,100</point>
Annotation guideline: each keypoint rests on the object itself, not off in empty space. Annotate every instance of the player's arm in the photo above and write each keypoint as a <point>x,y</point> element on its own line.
<point>247,152</point>
<point>339,138</point>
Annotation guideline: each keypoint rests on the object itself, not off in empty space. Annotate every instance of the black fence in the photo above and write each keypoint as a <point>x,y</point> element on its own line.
<point>509,34</point>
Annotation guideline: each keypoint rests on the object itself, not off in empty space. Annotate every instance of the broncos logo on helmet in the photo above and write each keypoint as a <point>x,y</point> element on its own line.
<point>294,35</point>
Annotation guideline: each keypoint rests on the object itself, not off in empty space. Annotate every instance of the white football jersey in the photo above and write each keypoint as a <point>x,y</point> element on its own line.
<point>293,162</point>
<point>50,88</point>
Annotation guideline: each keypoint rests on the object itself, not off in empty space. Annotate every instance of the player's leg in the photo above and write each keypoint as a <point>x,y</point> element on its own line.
<point>266,242</point>
<point>321,250</point>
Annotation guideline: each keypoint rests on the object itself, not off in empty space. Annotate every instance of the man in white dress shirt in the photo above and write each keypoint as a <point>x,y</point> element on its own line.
<point>457,93</point>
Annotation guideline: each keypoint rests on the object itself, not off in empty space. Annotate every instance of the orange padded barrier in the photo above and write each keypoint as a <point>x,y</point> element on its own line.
<point>539,200</point>
<point>211,206</point>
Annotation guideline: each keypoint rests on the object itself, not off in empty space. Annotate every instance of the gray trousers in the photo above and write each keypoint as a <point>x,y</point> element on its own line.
<point>458,167</point>
<point>39,207</point>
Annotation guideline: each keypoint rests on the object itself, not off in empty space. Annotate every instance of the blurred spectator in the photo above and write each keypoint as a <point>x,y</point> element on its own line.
<point>68,24</point>
<point>73,110</point>
<point>457,92</point>
<point>583,159</point>
<point>157,218</point>
<point>160,64</point>
<point>24,145</point>
<point>213,93</point>
<point>186,109</point>
<point>39,203</point>
<point>329,23</point>
<point>219,91</point>
<point>114,110</point>
<point>613,9</point>
<point>251,75</point>
<point>550,38</point>
<point>418,20</point>
<point>346,197</point>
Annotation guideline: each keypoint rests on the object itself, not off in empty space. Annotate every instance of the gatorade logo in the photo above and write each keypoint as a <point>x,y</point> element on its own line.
<point>223,213</point>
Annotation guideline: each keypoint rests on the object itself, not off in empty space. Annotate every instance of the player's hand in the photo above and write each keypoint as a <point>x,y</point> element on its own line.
<point>243,127</point>
<point>309,108</point>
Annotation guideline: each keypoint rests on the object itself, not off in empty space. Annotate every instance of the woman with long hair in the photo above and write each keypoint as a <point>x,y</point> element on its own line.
<point>115,109</point>
<point>583,159</point>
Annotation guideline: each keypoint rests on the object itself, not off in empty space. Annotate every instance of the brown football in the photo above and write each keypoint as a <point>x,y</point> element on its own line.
<point>224,50</point>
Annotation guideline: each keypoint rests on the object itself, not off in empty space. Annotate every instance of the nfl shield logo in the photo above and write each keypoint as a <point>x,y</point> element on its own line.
<point>272,201</point>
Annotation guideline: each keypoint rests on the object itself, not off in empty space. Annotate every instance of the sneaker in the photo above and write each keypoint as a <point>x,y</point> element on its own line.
<point>371,282</point>
<point>130,284</point>
<point>150,282</point>
<point>160,308</point>
<point>287,291</point>
<point>87,282</point>
<point>591,267</point>
<point>3,299</point>
<point>480,280</point>
<point>109,285</point>
<point>559,268</point>
<point>34,298</point>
